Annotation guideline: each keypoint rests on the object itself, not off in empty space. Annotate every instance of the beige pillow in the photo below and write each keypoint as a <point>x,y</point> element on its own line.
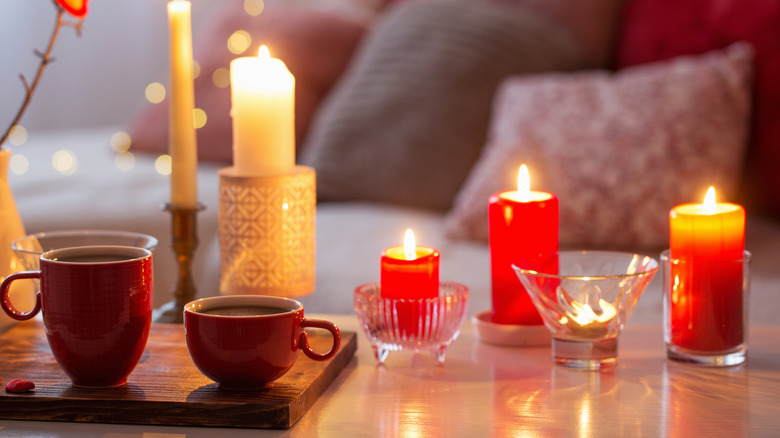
<point>408,119</point>
<point>619,150</point>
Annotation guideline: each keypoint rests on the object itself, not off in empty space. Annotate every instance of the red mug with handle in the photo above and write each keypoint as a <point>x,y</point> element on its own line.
<point>97,304</point>
<point>248,341</point>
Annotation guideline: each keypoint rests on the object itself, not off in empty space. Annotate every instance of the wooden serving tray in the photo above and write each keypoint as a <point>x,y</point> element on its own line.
<point>166,388</point>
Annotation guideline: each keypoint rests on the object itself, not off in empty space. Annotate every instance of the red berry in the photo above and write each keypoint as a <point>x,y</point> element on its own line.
<point>19,385</point>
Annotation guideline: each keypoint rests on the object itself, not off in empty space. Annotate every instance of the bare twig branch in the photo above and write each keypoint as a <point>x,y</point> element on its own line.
<point>24,81</point>
<point>30,89</point>
<point>76,25</point>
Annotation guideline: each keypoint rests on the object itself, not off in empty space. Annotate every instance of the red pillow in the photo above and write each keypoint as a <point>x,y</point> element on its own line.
<point>593,23</point>
<point>660,29</point>
<point>315,44</point>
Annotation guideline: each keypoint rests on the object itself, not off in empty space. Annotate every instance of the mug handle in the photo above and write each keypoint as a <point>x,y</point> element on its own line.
<point>326,325</point>
<point>5,302</point>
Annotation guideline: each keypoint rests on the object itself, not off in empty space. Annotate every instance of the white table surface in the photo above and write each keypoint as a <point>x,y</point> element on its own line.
<point>485,390</point>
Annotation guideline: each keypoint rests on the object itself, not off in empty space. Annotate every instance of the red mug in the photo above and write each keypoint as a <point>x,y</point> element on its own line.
<point>248,341</point>
<point>97,304</point>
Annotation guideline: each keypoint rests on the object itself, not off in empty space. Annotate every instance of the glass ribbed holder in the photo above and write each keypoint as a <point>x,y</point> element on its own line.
<point>438,320</point>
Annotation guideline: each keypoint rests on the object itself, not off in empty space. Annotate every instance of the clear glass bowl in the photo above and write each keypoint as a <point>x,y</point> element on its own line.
<point>586,300</point>
<point>30,247</point>
<point>429,324</point>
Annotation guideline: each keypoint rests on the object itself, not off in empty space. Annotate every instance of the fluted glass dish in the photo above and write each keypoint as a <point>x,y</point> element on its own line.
<point>426,324</point>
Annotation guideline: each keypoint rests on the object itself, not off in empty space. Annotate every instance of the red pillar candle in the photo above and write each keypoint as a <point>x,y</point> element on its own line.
<point>523,231</point>
<point>706,303</point>
<point>409,272</point>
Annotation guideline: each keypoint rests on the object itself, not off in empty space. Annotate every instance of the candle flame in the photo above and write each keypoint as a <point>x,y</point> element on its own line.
<point>586,315</point>
<point>582,312</point>
<point>178,5</point>
<point>523,183</point>
<point>709,201</point>
<point>263,53</point>
<point>410,248</point>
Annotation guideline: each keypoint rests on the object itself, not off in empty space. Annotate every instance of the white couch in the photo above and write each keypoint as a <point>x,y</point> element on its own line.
<point>96,84</point>
<point>350,236</point>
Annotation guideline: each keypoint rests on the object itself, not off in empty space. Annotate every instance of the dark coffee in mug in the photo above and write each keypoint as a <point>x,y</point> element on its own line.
<point>243,311</point>
<point>92,258</point>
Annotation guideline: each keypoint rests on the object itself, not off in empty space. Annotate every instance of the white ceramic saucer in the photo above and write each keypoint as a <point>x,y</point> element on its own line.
<point>509,335</point>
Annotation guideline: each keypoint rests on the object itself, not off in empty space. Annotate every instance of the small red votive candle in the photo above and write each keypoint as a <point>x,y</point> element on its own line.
<point>523,231</point>
<point>706,297</point>
<point>409,272</point>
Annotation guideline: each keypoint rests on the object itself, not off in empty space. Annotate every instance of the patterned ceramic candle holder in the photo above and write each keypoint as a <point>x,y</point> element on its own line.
<point>438,319</point>
<point>267,233</point>
<point>587,301</point>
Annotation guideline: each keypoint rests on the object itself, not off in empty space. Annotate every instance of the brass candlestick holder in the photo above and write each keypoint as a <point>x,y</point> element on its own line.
<point>184,240</point>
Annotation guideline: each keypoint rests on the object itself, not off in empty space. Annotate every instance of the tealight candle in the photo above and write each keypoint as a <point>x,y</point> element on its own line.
<point>586,322</point>
<point>523,231</point>
<point>262,92</point>
<point>706,303</point>
<point>182,140</point>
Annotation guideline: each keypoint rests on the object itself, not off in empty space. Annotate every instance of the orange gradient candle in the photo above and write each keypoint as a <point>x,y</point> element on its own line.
<point>706,302</point>
<point>523,231</point>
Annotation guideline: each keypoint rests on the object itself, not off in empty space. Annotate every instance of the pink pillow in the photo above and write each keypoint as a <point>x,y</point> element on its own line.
<point>619,150</point>
<point>655,30</point>
<point>316,45</point>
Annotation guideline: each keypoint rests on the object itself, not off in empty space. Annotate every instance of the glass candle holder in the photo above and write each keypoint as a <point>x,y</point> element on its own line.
<point>28,250</point>
<point>706,310</point>
<point>385,321</point>
<point>586,303</point>
<point>30,247</point>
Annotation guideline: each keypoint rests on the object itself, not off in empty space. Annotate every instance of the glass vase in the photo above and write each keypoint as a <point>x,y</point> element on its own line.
<point>11,227</point>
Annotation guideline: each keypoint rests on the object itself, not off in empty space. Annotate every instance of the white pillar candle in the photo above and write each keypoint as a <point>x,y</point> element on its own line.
<point>182,141</point>
<point>263,111</point>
